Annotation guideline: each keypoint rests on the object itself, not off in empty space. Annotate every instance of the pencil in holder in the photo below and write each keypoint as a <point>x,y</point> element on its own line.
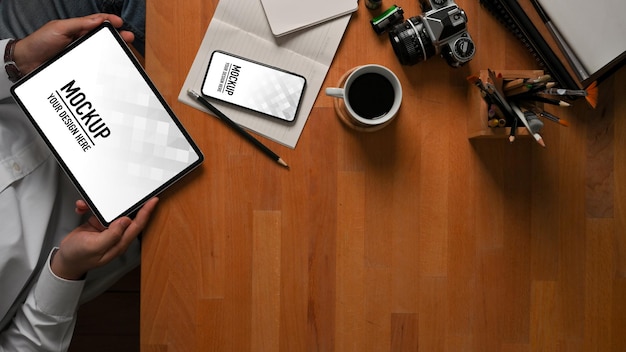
<point>487,120</point>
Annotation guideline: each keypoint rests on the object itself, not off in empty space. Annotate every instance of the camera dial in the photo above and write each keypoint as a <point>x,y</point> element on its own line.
<point>461,51</point>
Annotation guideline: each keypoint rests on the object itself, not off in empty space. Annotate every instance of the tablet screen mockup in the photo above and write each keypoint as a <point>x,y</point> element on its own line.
<point>107,125</point>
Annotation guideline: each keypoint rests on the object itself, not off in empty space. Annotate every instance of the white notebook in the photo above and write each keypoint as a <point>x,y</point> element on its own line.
<point>594,29</point>
<point>240,27</point>
<point>288,16</point>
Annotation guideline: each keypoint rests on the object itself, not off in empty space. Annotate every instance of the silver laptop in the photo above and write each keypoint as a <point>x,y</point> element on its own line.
<point>108,126</point>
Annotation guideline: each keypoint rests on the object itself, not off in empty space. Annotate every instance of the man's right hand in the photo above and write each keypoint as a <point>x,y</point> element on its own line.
<point>91,245</point>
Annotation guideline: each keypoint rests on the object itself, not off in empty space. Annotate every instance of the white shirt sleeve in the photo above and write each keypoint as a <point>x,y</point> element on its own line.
<point>45,322</point>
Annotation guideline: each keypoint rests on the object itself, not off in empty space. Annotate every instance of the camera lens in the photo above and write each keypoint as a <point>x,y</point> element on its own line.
<point>410,41</point>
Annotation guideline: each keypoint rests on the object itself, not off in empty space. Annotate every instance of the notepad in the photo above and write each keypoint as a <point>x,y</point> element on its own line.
<point>288,16</point>
<point>594,29</point>
<point>240,27</point>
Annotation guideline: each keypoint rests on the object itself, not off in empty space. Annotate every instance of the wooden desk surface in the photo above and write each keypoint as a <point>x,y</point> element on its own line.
<point>410,237</point>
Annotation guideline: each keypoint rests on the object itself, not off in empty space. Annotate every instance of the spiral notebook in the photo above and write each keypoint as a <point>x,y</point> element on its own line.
<point>288,16</point>
<point>594,30</point>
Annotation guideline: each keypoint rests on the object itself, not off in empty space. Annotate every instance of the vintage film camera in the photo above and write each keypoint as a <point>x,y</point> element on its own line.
<point>441,29</point>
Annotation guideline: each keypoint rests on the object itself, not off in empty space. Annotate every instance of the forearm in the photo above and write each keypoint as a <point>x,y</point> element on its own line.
<point>17,61</point>
<point>45,322</point>
<point>5,83</point>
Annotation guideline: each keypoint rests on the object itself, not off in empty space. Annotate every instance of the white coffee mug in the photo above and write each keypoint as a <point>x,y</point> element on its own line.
<point>372,95</point>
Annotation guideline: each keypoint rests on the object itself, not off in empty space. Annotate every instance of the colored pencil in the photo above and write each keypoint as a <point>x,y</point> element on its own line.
<point>522,118</point>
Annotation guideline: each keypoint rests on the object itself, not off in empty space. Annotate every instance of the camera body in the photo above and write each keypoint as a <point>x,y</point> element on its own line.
<point>441,29</point>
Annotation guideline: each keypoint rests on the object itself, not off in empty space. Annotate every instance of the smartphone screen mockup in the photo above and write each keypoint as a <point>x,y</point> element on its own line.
<point>254,86</point>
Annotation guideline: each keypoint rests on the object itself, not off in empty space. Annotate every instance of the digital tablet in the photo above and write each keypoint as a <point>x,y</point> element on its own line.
<point>107,125</point>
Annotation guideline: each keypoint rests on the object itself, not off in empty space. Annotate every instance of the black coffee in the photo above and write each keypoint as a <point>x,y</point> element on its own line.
<point>371,95</point>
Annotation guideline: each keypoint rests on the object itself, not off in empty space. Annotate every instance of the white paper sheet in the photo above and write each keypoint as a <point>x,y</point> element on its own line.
<point>288,16</point>
<point>240,27</point>
<point>594,29</point>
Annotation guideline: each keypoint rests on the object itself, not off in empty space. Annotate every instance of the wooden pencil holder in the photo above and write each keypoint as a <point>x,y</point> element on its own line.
<point>478,120</point>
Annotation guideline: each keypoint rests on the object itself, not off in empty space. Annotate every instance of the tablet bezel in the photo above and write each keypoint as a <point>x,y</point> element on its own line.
<point>129,54</point>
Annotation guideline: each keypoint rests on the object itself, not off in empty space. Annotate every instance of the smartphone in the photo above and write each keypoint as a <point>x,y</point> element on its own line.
<point>253,85</point>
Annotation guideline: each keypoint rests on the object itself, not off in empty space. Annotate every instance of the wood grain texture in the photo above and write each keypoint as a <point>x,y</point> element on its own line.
<point>410,238</point>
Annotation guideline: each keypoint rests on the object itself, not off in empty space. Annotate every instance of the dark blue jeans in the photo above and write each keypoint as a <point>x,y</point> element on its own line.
<point>19,18</point>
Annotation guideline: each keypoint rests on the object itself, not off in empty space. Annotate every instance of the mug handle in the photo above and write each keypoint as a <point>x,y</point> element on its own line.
<point>335,92</point>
